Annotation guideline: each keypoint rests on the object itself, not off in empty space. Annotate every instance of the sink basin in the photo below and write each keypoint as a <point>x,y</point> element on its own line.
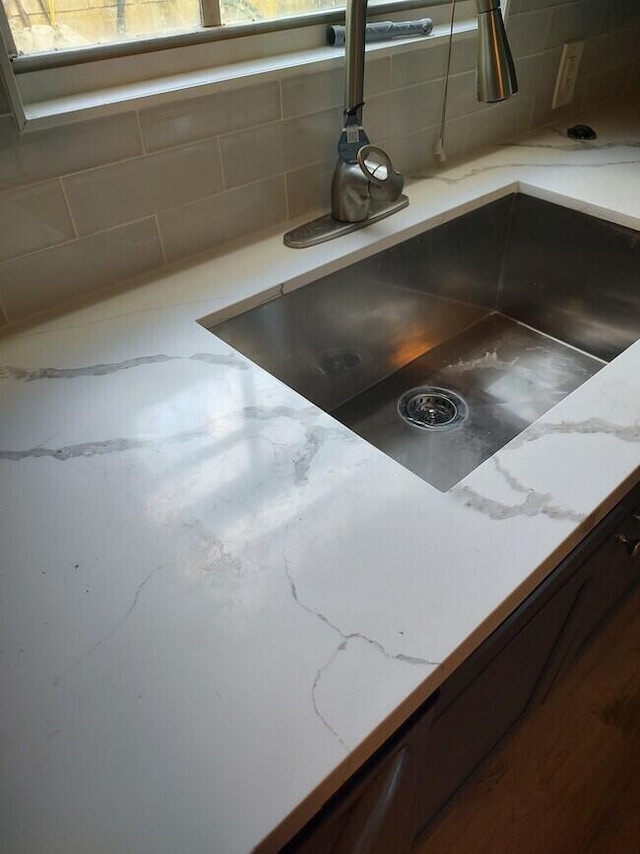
<point>445,347</point>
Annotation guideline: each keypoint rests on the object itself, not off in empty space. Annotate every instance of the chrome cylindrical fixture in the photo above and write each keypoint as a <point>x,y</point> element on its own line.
<point>355,23</point>
<point>495,71</point>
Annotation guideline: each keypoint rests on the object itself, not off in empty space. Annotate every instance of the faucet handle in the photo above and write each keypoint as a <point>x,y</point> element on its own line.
<point>378,169</point>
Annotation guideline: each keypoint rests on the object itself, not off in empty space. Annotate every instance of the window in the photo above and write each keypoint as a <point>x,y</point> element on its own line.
<point>43,26</point>
<point>70,59</point>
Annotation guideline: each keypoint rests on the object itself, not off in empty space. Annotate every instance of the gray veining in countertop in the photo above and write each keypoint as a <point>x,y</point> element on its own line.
<point>212,611</point>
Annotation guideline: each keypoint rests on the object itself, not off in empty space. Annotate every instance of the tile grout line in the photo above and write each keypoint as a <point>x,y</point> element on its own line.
<point>285,179</point>
<point>160,238</point>
<point>223,174</point>
<point>73,240</point>
<point>139,125</point>
<point>69,211</point>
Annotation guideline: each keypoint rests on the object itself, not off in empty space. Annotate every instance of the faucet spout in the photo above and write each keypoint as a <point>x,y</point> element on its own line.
<point>495,71</point>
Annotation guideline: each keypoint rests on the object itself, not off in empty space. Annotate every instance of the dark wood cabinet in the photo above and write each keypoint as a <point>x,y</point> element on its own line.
<point>388,804</point>
<point>375,812</point>
<point>609,570</point>
<point>480,705</point>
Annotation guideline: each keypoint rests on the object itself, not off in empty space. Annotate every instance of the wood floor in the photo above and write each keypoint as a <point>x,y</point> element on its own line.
<point>567,781</point>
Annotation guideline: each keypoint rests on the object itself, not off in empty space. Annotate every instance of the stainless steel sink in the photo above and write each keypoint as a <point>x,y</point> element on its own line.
<point>442,349</point>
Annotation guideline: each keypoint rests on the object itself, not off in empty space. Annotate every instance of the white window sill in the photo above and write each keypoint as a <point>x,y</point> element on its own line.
<point>49,98</point>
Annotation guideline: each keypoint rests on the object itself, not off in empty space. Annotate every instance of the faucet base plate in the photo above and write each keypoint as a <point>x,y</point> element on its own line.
<point>327,228</point>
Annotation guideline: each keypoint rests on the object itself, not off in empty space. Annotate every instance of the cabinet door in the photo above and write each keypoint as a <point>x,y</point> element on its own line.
<point>609,573</point>
<point>375,813</point>
<point>374,819</point>
<point>378,821</point>
<point>472,722</point>
<point>613,569</point>
<point>320,836</point>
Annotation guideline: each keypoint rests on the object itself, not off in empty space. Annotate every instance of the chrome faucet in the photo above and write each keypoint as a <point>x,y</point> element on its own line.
<point>355,186</point>
<point>365,186</point>
<point>362,172</point>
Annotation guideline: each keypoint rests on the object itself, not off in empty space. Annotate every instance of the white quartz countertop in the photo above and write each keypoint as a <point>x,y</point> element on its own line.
<point>213,603</point>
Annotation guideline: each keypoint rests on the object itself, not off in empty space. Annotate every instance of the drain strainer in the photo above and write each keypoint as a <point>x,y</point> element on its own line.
<point>432,408</point>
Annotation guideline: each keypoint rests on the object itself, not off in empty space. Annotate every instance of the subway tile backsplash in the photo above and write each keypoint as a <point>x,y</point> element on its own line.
<point>86,206</point>
<point>132,189</point>
<point>309,188</point>
<point>528,32</point>
<point>33,218</point>
<point>33,283</point>
<point>203,118</point>
<point>314,92</point>
<point>402,111</point>
<point>273,149</point>
<point>30,157</point>
<point>579,20</point>
<point>211,222</point>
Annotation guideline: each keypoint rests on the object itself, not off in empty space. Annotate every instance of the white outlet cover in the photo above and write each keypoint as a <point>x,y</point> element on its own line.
<point>567,74</point>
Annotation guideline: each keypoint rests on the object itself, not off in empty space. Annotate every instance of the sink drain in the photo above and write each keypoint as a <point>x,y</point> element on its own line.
<point>432,408</point>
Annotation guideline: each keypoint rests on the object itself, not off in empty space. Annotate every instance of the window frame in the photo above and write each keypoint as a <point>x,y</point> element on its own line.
<point>52,89</point>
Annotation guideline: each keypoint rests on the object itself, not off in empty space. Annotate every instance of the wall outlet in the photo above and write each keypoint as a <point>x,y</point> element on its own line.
<point>567,74</point>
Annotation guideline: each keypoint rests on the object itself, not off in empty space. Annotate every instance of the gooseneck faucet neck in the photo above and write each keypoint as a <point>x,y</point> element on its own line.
<point>355,27</point>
